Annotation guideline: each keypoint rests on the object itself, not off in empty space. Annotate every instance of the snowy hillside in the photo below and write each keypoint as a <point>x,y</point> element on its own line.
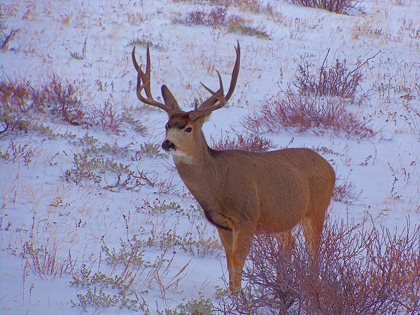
<point>91,206</point>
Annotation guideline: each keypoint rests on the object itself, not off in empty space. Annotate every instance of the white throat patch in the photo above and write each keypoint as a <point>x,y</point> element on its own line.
<point>181,157</point>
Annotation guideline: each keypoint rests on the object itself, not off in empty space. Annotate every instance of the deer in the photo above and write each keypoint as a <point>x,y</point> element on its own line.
<point>242,193</point>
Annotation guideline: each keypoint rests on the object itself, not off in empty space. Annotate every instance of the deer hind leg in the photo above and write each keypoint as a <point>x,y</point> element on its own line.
<point>286,244</point>
<point>312,228</point>
<point>226,237</point>
<point>286,241</point>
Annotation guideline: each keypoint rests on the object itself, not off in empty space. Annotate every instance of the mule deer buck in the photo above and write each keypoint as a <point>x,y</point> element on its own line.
<point>242,193</point>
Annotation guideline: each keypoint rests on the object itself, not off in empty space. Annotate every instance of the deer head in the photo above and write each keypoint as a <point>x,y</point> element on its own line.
<point>183,128</point>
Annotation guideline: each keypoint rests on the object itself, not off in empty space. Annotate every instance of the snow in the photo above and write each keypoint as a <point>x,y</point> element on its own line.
<point>40,206</point>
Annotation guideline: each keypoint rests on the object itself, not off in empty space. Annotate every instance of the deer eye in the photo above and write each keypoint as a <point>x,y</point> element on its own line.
<point>189,129</point>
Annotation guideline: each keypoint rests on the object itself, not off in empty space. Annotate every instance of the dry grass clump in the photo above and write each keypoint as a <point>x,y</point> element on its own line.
<point>362,270</point>
<point>44,262</point>
<point>14,152</point>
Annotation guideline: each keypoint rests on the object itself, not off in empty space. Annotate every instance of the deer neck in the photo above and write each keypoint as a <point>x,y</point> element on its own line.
<point>198,154</point>
<point>198,168</point>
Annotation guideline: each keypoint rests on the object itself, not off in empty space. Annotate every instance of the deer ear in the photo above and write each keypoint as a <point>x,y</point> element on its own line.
<point>200,119</point>
<point>169,98</point>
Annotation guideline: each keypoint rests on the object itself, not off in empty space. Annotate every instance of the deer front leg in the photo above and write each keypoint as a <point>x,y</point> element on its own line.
<point>226,237</point>
<point>241,246</point>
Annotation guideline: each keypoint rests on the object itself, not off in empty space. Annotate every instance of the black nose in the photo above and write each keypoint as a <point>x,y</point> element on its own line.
<point>168,145</point>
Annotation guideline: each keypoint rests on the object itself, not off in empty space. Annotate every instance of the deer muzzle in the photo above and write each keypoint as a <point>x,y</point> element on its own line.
<point>168,146</point>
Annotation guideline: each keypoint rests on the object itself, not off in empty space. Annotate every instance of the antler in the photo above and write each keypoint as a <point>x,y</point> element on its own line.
<point>143,83</point>
<point>218,99</point>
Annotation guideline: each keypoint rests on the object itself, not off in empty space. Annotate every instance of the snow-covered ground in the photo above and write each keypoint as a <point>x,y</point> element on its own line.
<point>50,226</point>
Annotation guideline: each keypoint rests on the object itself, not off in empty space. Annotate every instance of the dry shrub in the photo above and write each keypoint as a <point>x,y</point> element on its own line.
<point>15,95</point>
<point>336,6</point>
<point>19,100</point>
<point>247,142</point>
<point>107,117</point>
<point>300,113</point>
<point>61,99</point>
<point>255,6</point>
<point>335,81</point>
<point>338,80</point>
<point>319,106</point>
<point>346,193</point>
<point>361,270</point>
<point>216,17</point>
<point>22,103</point>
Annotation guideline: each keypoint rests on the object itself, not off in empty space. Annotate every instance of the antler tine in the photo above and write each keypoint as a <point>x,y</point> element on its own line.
<point>235,72</point>
<point>143,82</point>
<point>218,99</point>
<point>219,95</point>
